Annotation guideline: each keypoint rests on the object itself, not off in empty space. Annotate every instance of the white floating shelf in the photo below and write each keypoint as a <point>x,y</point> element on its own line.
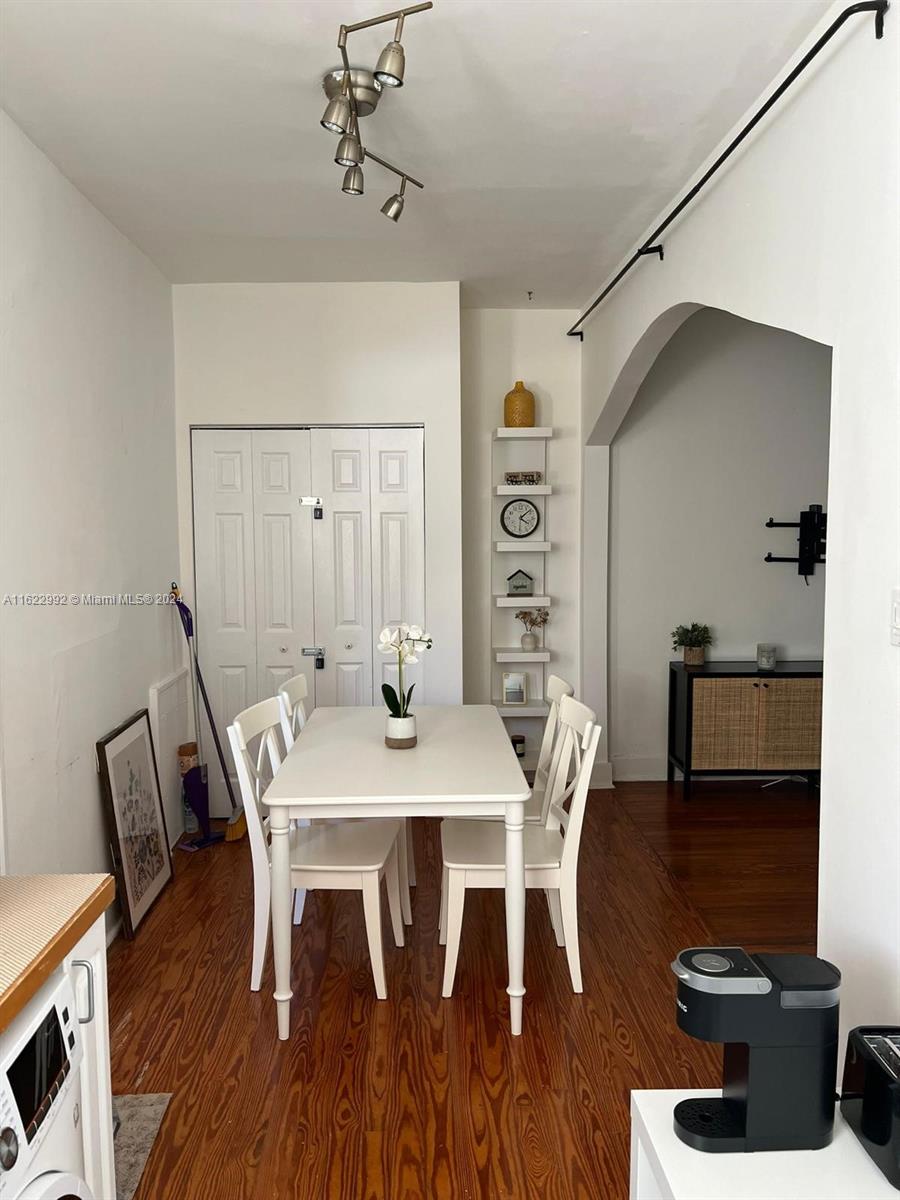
<point>536,431</point>
<point>534,708</point>
<point>504,601</point>
<point>523,489</point>
<point>508,654</point>
<point>522,547</point>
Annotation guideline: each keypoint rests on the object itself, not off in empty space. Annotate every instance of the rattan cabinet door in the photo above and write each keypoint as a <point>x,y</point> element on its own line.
<point>724,727</point>
<point>790,725</point>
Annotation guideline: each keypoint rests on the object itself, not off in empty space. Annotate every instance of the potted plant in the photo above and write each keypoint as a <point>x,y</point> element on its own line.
<point>532,618</point>
<point>694,638</point>
<point>404,641</point>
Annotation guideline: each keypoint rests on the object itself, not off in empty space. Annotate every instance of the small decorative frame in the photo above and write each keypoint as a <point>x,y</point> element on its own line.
<point>139,842</point>
<point>515,687</point>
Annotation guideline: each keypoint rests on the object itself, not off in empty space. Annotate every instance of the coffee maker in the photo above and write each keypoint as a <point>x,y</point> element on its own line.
<point>777,1015</point>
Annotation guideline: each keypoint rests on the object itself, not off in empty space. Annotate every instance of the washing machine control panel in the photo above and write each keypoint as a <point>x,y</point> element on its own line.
<point>40,1053</point>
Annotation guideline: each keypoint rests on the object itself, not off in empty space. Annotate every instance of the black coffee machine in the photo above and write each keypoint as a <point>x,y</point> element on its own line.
<point>777,1015</point>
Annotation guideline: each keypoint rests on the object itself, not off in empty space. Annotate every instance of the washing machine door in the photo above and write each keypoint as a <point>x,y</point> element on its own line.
<point>57,1185</point>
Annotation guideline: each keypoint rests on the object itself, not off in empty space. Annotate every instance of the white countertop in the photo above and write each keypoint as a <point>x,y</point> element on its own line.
<point>842,1171</point>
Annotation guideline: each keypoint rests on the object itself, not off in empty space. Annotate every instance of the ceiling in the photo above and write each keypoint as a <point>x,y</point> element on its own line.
<point>548,133</point>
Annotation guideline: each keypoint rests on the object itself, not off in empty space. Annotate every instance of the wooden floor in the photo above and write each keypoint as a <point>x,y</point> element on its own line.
<point>417,1097</point>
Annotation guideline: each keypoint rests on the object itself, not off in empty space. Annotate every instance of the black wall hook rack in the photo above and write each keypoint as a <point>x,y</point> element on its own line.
<point>878,7</point>
<point>812,525</point>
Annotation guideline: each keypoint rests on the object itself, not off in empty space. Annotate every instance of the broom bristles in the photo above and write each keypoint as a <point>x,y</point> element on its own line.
<point>236,827</point>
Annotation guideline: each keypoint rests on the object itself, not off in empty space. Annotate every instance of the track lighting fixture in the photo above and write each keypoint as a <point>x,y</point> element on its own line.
<point>354,92</point>
<point>393,206</point>
<point>353,182</point>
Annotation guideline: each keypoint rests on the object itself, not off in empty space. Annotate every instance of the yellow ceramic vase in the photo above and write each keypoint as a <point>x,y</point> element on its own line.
<point>518,407</point>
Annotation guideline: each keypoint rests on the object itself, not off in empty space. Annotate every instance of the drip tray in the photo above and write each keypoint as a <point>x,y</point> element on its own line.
<point>713,1124</point>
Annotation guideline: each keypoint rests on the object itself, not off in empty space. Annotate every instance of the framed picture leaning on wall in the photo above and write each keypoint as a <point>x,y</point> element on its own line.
<point>515,687</point>
<point>129,783</point>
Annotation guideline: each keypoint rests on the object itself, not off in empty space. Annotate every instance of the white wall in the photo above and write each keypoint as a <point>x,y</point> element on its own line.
<point>335,353</point>
<point>500,346</point>
<point>87,502</point>
<point>801,232</point>
<point>729,428</point>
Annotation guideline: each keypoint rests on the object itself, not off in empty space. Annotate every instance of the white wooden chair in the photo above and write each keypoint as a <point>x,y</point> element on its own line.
<point>348,856</point>
<point>474,852</point>
<point>292,695</point>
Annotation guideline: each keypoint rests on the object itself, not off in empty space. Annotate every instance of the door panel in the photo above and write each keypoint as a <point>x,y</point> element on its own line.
<point>398,545</point>
<point>790,724</point>
<point>283,536</point>
<point>342,553</point>
<point>225,605</point>
<point>723,733</point>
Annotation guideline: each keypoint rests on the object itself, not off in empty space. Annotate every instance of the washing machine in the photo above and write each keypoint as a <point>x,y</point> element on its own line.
<point>41,1137</point>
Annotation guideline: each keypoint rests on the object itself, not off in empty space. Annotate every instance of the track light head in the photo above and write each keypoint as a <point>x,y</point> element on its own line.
<point>393,207</point>
<point>336,117</point>
<point>353,182</point>
<point>390,66</point>
<point>349,152</point>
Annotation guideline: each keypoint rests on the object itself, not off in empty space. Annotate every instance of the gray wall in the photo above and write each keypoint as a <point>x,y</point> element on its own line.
<point>729,428</point>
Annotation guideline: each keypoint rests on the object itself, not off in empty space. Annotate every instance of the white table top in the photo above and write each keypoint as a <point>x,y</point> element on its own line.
<point>464,759</point>
<point>842,1171</point>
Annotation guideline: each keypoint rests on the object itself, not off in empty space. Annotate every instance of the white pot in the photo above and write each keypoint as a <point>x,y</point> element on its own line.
<point>529,641</point>
<point>400,733</point>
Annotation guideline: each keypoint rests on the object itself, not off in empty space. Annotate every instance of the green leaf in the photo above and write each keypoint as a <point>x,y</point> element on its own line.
<point>406,699</point>
<point>390,699</point>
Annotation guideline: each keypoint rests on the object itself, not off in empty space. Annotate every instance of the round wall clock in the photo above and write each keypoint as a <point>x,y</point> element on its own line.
<point>520,518</point>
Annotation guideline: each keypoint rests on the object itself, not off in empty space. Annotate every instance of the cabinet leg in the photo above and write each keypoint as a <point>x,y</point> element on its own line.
<point>686,786</point>
<point>670,771</point>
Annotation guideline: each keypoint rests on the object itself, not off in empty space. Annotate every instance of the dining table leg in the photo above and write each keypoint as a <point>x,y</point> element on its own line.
<point>279,828</point>
<point>515,911</point>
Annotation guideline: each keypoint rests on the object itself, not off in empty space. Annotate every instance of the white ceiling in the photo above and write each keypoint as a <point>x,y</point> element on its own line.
<point>548,133</point>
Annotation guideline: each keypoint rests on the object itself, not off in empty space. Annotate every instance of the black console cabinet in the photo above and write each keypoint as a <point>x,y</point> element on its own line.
<point>731,718</point>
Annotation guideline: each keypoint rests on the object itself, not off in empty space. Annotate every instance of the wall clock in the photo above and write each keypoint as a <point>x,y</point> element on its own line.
<point>520,518</point>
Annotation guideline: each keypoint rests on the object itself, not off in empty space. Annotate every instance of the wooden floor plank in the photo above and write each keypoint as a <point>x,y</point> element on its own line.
<point>424,1097</point>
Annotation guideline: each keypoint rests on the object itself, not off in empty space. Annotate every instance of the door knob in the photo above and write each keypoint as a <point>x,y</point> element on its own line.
<point>283,649</point>
<point>348,645</point>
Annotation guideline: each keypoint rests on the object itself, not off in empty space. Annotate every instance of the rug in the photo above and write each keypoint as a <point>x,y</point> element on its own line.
<point>139,1120</point>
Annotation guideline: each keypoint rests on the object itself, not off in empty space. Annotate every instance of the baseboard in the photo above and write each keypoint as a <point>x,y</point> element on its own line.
<point>601,776</point>
<point>634,770</point>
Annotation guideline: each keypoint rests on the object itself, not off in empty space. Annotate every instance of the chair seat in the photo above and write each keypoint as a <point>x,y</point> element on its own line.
<point>481,845</point>
<point>347,846</point>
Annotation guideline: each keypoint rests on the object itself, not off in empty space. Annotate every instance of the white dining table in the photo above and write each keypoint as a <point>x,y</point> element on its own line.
<point>463,766</point>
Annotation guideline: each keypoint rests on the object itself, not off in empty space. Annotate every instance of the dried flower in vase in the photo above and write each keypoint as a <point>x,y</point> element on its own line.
<point>533,618</point>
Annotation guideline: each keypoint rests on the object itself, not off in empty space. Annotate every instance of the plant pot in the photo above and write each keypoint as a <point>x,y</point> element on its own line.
<point>694,656</point>
<point>529,641</point>
<point>518,407</point>
<point>400,733</point>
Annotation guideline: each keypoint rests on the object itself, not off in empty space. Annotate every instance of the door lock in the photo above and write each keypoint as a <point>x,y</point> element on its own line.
<point>316,503</point>
<point>316,652</point>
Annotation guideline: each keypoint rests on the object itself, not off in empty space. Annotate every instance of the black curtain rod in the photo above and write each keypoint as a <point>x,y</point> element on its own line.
<point>878,7</point>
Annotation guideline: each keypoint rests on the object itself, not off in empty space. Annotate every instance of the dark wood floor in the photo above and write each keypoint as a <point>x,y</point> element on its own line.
<point>418,1097</point>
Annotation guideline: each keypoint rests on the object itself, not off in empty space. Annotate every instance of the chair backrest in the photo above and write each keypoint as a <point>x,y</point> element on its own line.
<point>578,738</point>
<point>292,694</point>
<point>556,689</point>
<point>259,721</point>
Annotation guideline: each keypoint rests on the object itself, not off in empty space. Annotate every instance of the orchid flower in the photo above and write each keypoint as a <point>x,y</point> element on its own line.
<point>405,641</point>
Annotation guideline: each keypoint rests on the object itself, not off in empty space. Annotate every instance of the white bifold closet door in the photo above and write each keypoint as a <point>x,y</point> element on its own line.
<point>271,579</point>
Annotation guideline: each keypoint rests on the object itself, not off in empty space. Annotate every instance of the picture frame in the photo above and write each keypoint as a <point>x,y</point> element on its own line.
<point>138,839</point>
<point>515,687</point>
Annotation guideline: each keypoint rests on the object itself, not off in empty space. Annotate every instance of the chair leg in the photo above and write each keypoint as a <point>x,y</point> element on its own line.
<point>556,915</point>
<point>262,896</point>
<point>410,854</point>
<point>442,934</point>
<point>371,893</point>
<point>569,906</point>
<point>299,902</point>
<point>456,899</point>
<point>403,868</point>
<point>392,877</point>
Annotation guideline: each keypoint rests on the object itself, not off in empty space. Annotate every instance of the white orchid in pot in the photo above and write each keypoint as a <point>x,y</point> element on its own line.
<point>404,641</point>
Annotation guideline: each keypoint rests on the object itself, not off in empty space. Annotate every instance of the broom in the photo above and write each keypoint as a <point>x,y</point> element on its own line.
<point>237,822</point>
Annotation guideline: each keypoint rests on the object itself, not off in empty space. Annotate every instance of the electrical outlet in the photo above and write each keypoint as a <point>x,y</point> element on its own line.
<point>895,617</point>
